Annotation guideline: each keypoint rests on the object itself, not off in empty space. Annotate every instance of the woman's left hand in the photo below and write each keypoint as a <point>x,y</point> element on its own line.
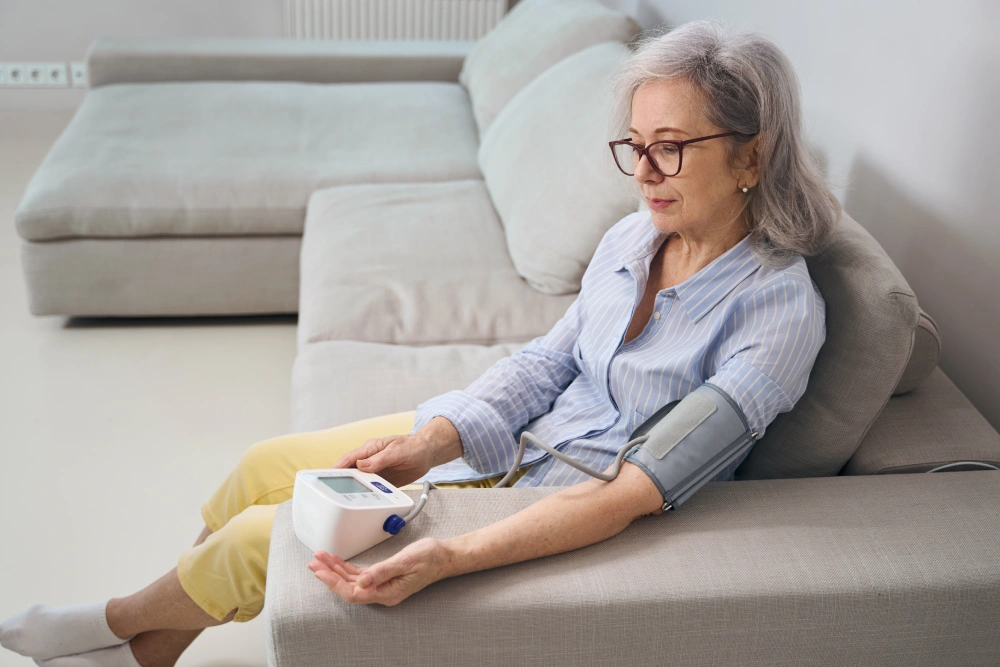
<point>390,582</point>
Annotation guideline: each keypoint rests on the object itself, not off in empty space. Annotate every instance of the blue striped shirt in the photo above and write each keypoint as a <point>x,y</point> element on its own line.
<point>752,331</point>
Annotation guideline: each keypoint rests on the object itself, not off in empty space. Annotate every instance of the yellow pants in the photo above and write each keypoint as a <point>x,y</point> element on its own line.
<point>228,570</point>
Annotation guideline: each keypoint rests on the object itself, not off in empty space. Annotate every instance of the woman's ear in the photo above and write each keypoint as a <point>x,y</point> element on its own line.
<point>751,161</point>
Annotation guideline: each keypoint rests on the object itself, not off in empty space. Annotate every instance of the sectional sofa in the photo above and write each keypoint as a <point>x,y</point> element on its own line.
<point>427,209</point>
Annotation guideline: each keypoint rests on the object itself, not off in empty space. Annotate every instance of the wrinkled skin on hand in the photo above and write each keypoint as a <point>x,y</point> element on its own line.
<point>387,583</point>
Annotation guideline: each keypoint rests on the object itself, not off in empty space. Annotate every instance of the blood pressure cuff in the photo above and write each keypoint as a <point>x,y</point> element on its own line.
<point>690,442</point>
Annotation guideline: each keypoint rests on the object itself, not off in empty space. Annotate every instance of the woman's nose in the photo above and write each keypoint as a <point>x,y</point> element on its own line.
<point>644,172</point>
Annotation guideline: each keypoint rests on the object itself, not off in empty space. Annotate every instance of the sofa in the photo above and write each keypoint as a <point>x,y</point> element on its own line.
<point>429,208</point>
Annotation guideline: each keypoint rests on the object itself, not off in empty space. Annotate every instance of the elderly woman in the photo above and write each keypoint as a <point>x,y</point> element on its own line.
<point>708,286</point>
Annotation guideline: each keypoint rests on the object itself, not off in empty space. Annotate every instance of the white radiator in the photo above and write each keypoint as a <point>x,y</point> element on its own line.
<point>392,19</point>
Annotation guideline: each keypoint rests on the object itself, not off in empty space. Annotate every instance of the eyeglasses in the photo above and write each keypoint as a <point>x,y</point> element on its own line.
<point>664,157</point>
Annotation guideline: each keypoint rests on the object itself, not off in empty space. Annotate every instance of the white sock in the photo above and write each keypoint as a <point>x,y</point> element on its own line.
<point>47,632</point>
<point>116,656</point>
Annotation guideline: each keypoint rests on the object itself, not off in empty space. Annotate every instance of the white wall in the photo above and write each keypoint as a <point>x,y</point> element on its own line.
<point>903,101</point>
<point>61,30</point>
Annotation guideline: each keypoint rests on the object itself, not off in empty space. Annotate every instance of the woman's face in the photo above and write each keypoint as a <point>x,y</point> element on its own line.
<point>706,196</point>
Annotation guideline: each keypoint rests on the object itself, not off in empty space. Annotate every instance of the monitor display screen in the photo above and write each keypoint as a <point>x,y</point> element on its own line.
<point>345,484</point>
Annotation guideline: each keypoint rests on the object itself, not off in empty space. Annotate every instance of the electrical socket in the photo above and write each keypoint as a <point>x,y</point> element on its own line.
<point>35,74</point>
<point>55,75</point>
<point>15,74</point>
<point>78,74</point>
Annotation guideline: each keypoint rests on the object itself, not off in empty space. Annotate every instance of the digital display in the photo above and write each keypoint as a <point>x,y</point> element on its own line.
<point>345,484</point>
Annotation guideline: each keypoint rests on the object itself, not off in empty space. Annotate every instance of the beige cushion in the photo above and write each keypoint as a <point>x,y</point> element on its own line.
<point>417,264</point>
<point>549,171</point>
<point>337,382</point>
<point>209,159</point>
<point>889,571</point>
<point>932,425</point>
<point>535,35</point>
<point>924,358</point>
<point>871,317</point>
<point>226,275</point>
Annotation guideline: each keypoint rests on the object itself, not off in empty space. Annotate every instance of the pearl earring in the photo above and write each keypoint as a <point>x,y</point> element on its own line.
<point>745,188</point>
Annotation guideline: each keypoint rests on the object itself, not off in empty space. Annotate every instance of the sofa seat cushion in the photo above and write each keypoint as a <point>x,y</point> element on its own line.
<point>165,275</point>
<point>417,264</point>
<point>900,569</point>
<point>337,382</point>
<point>932,425</point>
<point>222,159</point>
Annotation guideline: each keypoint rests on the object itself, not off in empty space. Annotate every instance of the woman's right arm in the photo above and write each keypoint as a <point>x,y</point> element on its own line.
<point>478,424</point>
<point>511,393</point>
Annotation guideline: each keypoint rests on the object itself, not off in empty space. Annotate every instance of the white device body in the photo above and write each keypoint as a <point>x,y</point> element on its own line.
<point>342,510</point>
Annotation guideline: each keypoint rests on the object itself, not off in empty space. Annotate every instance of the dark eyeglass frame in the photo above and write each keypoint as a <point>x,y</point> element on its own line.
<point>680,151</point>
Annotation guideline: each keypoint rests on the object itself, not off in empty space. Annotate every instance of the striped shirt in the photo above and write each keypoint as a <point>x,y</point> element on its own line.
<point>752,331</point>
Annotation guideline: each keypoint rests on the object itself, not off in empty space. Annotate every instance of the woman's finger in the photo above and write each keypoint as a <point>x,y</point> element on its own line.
<point>389,457</point>
<point>379,573</point>
<point>371,447</point>
<point>331,560</point>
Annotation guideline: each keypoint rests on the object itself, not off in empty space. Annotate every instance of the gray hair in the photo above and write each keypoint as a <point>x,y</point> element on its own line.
<point>749,87</point>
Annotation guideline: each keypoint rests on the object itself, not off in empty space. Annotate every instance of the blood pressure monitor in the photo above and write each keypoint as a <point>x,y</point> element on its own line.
<point>344,511</point>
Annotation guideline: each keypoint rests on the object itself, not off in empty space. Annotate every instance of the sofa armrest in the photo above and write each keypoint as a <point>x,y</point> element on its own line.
<point>112,60</point>
<point>932,425</point>
<point>900,569</point>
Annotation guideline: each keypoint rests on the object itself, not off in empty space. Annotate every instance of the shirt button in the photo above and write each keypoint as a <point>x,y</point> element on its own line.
<point>656,315</point>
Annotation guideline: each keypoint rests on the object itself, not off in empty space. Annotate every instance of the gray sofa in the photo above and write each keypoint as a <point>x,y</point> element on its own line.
<point>429,208</point>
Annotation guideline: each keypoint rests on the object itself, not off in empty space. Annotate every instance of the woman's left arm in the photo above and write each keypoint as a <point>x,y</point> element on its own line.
<point>574,517</point>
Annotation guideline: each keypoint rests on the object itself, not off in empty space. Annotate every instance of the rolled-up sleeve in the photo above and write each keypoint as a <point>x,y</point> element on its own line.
<point>511,393</point>
<point>764,363</point>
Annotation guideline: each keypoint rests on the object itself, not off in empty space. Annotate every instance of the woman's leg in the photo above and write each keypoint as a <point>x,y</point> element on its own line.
<point>265,475</point>
<point>162,647</point>
<point>222,577</point>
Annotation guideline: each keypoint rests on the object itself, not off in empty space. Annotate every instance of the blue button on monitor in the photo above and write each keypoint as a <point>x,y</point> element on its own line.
<point>381,487</point>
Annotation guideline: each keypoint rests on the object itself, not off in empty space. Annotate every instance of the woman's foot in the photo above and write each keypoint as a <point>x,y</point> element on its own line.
<point>116,656</point>
<point>44,632</point>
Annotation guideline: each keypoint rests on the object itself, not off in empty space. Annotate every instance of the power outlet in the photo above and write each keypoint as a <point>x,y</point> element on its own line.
<point>78,74</point>
<point>15,74</point>
<point>55,75</point>
<point>36,74</point>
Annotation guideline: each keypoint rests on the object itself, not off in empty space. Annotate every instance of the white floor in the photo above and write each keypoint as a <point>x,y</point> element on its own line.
<point>114,433</point>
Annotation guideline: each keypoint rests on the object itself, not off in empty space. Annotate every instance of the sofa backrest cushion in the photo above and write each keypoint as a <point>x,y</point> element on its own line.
<point>871,322</point>
<point>535,35</point>
<point>550,174</point>
<point>923,358</point>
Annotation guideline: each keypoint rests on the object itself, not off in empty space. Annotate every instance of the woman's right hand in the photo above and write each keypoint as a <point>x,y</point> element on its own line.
<point>402,459</point>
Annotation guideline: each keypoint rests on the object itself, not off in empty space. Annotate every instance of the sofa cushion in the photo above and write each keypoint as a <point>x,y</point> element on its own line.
<point>165,275</point>
<point>337,382</point>
<point>535,35</point>
<point>932,425</point>
<point>871,318</point>
<point>418,264</point>
<point>924,358</point>
<point>216,158</point>
<point>549,171</point>
<point>901,569</point>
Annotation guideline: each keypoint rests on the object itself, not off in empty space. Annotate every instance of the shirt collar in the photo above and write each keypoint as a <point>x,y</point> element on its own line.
<point>704,290</point>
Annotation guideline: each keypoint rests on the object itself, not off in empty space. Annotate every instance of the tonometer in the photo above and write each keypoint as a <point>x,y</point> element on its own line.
<point>682,446</point>
<point>344,511</point>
